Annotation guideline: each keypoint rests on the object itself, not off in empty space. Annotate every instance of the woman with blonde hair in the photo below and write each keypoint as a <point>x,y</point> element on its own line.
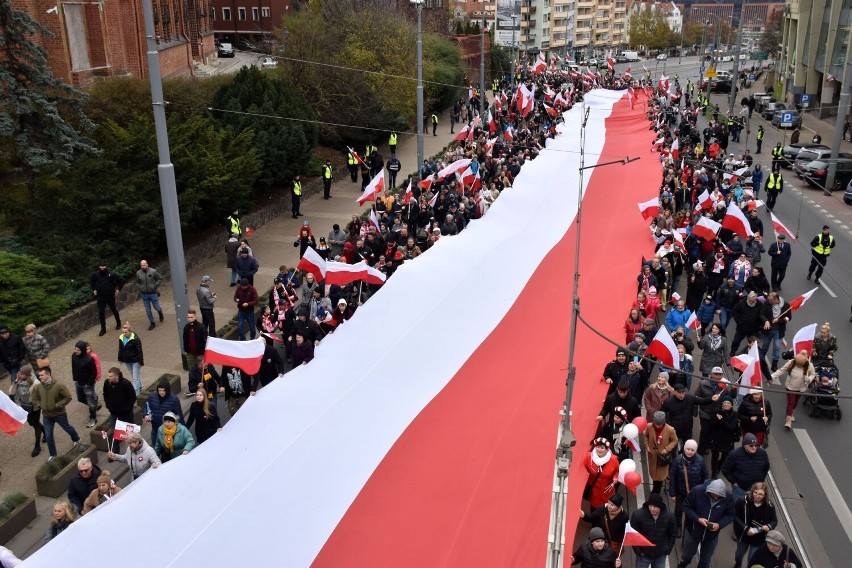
<point>106,490</point>
<point>38,349</point>
<point>204,416</point>
<point>754,517</point>
<point>130,353</point>
<point>63,515</point>
<point>825,345</point>
<point>800,374</point>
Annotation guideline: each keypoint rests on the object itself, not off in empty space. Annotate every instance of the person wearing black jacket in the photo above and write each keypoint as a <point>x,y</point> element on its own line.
<point>780,251</point>
<point>657,524</point>
<point>238,387</point>
<point>105,286</point>
<point>13,352</point>
<point>610,518</point>
<point>204,375</point>
<point>120,398</point>
<point>754,517</point>
<point>774,315</point>
<point>621,397</point>
<point>688,470</point>
<point>746,466</point>
<point>596,553</point>
<point>82,484</point>
<point>755,414</point>
<point>271,366</point>
<point>615,369</point>
<point>774,553</point>
<point>747,315</point>
<point>194,335</point>
<point>130,353</point>
<point>680,410</point>
<point>84,372</point>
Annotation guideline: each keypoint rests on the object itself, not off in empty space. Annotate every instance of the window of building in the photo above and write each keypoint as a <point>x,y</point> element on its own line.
<point>264,12</point>
<point>226,14</point>
<point>212,14</point>
<point>241,14</point>
<point>254,14</point>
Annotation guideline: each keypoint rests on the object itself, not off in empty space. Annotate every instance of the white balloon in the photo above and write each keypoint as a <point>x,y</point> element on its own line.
<point>630,431</point>
<point>626,466</point>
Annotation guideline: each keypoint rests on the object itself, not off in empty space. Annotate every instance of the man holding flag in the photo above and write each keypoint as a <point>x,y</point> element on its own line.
<point>774,315</point>
<point>652,532</point>
<point>780,252</point>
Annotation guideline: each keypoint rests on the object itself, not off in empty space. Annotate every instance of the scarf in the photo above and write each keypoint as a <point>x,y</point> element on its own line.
<point>601,461</point>
<point>715,341</point>
<point>658,430</point>
<point>169,437</point>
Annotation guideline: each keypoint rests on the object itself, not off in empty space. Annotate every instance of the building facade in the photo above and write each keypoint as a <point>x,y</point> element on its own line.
<point>247,21</point>
<point>816,51</point>
<point>95,39</point>
<point>582,28</point>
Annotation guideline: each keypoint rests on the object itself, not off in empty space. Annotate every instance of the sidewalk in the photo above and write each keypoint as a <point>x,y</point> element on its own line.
<point>272,246</point>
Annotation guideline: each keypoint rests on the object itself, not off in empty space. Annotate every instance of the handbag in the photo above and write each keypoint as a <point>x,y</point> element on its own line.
<point>43,362</point>
<point>664,459</point>
<point>587,492</point>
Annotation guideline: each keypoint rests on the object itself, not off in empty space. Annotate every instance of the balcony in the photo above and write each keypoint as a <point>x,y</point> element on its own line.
<point>527,38</point>
<point>526,9</point>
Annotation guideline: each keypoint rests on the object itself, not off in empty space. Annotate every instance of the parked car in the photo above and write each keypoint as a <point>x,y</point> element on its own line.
<point>621,59</point>
<point>720,85</point>
<point>727,58</point>
<point>246,45</point>
<point>795,123</point>
<point>761,101</point>
<point>806,156</point>
<point>815,172</point>
<point>791,150</point>
<point>592,63</point>
<point>268,63</point>
<point>225,50</point>
<point>847,195</point>
<point>770,108</point>
<point>662,57</point>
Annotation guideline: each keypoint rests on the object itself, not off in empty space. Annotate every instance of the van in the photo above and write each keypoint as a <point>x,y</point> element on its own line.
<point>630,55</point>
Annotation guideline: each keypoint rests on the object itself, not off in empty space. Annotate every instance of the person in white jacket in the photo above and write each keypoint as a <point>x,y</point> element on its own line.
<point>139,456</point>
<point>8,558</point>
<point>800,374</point>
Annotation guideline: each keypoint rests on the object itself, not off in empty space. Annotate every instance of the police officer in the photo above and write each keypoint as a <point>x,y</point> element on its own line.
<point>777,155</point>
<point>821,246</point>
<point>760,134</point>
<point>774,186</point>
<point>296,197</point>
<point>392,142</point>
<point>233,224</point>
<point>352,164</point>
<point>393,166</point>
<point>326,179</point>
<point>434,124</point>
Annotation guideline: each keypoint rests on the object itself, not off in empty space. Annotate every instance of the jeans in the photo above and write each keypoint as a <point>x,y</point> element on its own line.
<point>247,317</point>
<point>147,300</point>
<point>87,395</point>
<point>774,338</point>
<point>743,551</point>
<point>690,547</point>
<point>234,276</point>
<point>725,315</point>
<point>62,420</point>
<point>645,562</point>
<point>135,369</point>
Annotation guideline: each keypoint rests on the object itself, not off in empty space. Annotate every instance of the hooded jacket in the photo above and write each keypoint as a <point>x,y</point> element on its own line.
<point>83,368</point>
<point>699,505</point>
<point>130,349</point>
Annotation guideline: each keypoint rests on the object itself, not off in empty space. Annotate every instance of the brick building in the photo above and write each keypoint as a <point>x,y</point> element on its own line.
<point>106,38</point>
<point>239,21</point>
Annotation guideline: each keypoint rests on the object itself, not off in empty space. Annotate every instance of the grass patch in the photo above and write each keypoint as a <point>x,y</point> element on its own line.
<point>11,502</point>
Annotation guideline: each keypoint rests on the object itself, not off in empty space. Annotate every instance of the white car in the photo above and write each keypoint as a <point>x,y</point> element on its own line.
<point>727,58</point>
<point>268,63</point>
<point>662,57</point>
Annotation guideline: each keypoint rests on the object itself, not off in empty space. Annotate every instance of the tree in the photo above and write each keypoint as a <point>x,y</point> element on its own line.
<point>29,291</point>
<point>650,29</point>
<point>39,114</point>
<point>770,40</point>
<point>279,116</point>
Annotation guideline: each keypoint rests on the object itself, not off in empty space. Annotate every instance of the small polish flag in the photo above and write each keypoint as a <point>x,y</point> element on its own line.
<point>692,321</point>
<point>658,143</point>
<point>706,228</point>
<point>804,339</point>
<point>736,221</point>
<point>355,155</point>
<point>434,200</point>
<point>341,273</point>
<point>632,537</point>
<point>779,226</point>
<point>122,429</point>
<point>799,301</point>
<point>462,133</point>
<point>627,73</point>
<point>664,349</point>
<point>244,355</point>
<point>375,186</point>
<point>313,263</point>
<point>676,149</point>
<point>373,276</point>
<point>634,444</point>
<point>492,124</point>
<point>551,111</point>
<point>705,202</point>
<point>645,68</point>
<point>406,197</point>
<point>12,416</point>
<point>749,366</point>
<point>453,168</point>
<point>678,239</point>
<point>650,208</point>
<point>374,219</point>
<point>425,184</point>
<point>507,133</point>
<point>675,297</point>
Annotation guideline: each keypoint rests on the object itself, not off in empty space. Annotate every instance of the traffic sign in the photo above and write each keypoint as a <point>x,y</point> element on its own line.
<point>702,69</point>
<point>805,100</point>
<point>711,72</point>
<point>751,77</point>
<point>786,119</point>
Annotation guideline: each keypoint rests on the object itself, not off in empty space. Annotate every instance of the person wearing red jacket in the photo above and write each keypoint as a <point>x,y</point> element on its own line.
<point>602,467</point>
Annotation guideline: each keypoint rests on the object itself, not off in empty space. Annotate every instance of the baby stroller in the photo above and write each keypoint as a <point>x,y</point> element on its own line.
<point>827,387</point>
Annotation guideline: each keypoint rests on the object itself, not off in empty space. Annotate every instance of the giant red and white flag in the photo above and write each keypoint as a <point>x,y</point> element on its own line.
<point>706,228</point>
<point>799,301</point>
<point>736,221</point>
<point>780,227</point>
<point>804,339</point>
<point>313,263</point>
<point>650,208</point>
<point>370,516</point>
<point>12,416</point>
<point>375,187</point>
<point>663,348</point>
<point>244,355</point>
<point>632,537</point>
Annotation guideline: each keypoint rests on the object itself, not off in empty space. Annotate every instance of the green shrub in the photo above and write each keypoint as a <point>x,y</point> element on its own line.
<point>51,468</point>
<point>30,291</point>
<point>11,502</point>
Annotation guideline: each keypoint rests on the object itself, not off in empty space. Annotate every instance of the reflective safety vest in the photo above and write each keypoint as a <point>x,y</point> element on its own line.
<point>392,140</point>
<point>351,159</point>
<point>760,133</point>
<point>434,118</point>
<point>777,152</point>
<point>235,225</point>
<point>297,188</point>
<point>368,151</point>
<point>774,181</point>
<point>326,173</point>
<point>820,249</point>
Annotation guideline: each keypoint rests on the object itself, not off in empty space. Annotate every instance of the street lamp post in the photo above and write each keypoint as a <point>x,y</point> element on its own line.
<point>482,104</point>
<point>514,47</point>
<point>842,110</point>
<point>420,111</point>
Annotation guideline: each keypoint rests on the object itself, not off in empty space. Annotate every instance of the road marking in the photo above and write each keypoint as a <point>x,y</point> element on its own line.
<point>830,216</point>
<point>843,227</point>
<point>835,498</point>
<point>827,289</point>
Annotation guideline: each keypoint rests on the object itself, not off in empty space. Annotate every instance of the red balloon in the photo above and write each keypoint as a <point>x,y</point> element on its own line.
<point>640,423</point>
<point>632,480</point>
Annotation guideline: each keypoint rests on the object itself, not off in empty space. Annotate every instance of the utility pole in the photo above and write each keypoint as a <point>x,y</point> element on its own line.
<point>717,38</point>
<point>842,110</point>
<point>482,100</point>
<point>420,110</point>
<point>514,47</point>
<point>736,69</point>
<point>166,174</point>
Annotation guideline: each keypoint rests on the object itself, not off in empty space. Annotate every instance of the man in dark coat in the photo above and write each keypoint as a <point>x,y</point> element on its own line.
<point>105,286</point>
<point>746,465</point>
<point>780,251</point>
<point>774,315</point>
<point>271,366</point>
<point>657,524</point>
<point>194,335</point>
<point>85,372</point>
<point>679,410</point>
<point>82,484</point>
<point>120,398</point>
<point>621,397</point>
<point>615,369</point>
<point>12,351</point>
<point>747,315</point>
